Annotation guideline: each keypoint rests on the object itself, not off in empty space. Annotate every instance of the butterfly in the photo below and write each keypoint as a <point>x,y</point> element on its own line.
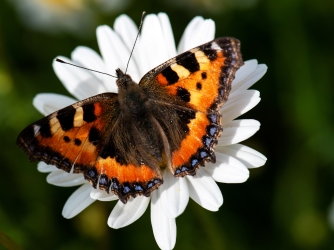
<point>121,142</point>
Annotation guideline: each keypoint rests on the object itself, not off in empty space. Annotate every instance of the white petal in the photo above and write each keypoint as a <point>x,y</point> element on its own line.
<point>190,29</point>
<point>205,33</point>
<point>254,77</point>
<point>112,48</point>
<point>48,103</point>
<point>174,195</point>
<point>63,179</point>
<point>125,214</point>
<point>168,34</point>
<point>115,55</point>
<point>164,228</point>
<point>78,201</point>
<point>248,156</point>
<point>128,30</point>
<point>245,70</point>
<point>198,31</point>
<point>251,78</point>
<point>79,82</point>
<point>45,168</point>
<point>227,169</point>
<point>102,195</point>
<point>86,57</point>
<point>237,131</point>
<point>204,190</point>
<point>239,103</point>
<point>153,42</point>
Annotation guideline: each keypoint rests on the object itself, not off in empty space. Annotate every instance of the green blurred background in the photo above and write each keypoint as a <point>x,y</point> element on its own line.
<point>283,205</point>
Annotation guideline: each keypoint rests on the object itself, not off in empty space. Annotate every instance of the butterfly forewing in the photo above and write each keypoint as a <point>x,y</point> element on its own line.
<point>62,137</point>
<point>91,137</point>
<point>198,82</point>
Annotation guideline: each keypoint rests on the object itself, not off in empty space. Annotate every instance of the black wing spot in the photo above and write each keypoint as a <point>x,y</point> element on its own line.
<point>66,138</point>
<point>198,86</point>
<point>183,94</point>
<point>170,75</point>
<point>77,142</point>
<point>66,117</point>
<point>88,112</point>
<point>209,52</point>
<point>189,61</point>
<point>204,76</point>
<point>45,130</point>
<point>94,136</point>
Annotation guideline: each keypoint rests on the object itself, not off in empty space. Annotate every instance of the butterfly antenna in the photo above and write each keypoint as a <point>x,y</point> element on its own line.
<point>61,61</point>
<point>141,24</point>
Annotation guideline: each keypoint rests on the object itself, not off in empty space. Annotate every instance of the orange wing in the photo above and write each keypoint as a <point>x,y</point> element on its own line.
<point>81,138</point>
<point>197,82</point>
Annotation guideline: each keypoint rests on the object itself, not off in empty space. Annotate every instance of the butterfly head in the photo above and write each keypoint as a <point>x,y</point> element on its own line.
<point>123,80</point>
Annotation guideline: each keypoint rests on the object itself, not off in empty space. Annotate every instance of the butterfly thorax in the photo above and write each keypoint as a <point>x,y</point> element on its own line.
<point>137,117</point>
<point>131,96</point>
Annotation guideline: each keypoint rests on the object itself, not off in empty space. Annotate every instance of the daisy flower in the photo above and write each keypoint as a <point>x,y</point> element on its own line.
<point>156,45</point>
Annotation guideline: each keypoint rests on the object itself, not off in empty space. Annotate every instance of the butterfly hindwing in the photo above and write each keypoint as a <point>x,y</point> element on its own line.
<point>197,82</point>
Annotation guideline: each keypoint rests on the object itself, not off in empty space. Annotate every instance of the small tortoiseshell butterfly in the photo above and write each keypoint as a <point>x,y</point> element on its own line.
<point>122,142</point>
